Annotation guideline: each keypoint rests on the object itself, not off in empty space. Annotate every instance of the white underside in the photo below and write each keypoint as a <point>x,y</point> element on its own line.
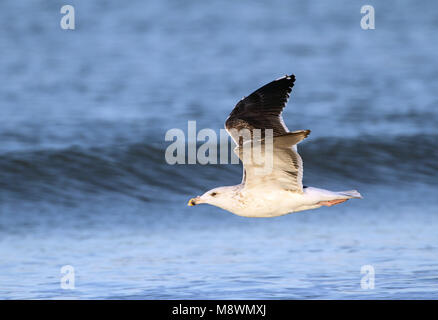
<point>277,202</point>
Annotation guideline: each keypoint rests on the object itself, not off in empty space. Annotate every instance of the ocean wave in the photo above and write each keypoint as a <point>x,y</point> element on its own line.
<point>140,170</point>
<point>375,159</point>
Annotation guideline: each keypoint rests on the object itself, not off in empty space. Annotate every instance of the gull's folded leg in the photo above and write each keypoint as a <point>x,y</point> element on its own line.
<point>331,202</point>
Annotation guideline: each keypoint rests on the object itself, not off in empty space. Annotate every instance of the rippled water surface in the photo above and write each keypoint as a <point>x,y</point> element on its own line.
<point>84,182</point>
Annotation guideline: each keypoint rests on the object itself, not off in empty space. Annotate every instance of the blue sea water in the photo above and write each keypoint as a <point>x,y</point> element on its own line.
<point>84,181</point>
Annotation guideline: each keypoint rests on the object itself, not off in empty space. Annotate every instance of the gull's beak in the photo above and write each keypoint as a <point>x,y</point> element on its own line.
<point>193,201</point>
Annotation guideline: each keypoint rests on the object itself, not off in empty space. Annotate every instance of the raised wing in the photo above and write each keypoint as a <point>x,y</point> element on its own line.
<point>261,109</point>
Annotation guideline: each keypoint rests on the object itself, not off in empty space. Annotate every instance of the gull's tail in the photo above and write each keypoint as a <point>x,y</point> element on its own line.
<point>351,194</point>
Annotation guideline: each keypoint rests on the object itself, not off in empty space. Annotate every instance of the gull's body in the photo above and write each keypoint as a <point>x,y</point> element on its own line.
<point>261,203</point>
<point>278,191</point>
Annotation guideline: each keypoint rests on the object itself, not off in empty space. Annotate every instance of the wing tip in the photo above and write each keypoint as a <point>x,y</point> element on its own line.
<point>287,77</point>
<point>304,133</point>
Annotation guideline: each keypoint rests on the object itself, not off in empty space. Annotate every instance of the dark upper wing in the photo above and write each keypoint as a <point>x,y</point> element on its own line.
<point>262,109</point>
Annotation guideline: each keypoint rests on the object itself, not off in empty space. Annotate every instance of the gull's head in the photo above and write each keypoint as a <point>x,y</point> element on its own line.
<point>219,197</point>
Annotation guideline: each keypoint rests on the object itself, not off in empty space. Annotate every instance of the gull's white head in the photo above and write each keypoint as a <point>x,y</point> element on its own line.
<point>220,197</point>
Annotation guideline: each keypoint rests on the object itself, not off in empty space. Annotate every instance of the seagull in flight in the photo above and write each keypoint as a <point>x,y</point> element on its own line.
<point>278,191</point>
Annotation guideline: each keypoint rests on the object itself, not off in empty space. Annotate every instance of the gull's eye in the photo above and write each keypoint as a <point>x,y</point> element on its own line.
<point>213,194</point>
